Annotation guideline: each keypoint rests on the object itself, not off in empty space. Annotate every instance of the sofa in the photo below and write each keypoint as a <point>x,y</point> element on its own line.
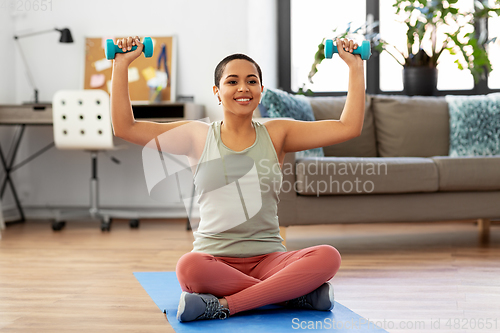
<point>398,170</point>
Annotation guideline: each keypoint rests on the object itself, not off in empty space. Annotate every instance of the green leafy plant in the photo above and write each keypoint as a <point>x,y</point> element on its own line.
<point>423,20</point>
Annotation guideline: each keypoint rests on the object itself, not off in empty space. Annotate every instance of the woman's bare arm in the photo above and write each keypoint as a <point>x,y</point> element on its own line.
<point>142,132</point>
<point>303,135</point>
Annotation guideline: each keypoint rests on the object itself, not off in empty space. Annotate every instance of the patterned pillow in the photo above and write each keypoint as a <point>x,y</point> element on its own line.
<point>280,104</point>
<point>474,125</point>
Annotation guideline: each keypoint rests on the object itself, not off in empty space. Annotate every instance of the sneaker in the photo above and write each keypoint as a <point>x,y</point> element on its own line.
<point>193,306</point>
<point>320,299</point>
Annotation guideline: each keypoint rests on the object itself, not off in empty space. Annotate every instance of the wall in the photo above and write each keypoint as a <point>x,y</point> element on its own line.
<point>207,31</point>
<point>7,60</point>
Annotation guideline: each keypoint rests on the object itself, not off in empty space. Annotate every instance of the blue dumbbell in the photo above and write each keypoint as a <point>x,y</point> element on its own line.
<point>112,49</point>
<point>364,50</point>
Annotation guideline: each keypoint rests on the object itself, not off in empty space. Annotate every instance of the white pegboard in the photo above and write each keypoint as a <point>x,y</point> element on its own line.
<point>82,120</point>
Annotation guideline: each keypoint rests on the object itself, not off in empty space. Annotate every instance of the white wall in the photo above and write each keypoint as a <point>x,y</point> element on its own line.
<point>207,31</point>
<point>263,38</point>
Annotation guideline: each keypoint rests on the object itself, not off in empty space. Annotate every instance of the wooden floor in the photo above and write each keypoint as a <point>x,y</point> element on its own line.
<point>419,277</point>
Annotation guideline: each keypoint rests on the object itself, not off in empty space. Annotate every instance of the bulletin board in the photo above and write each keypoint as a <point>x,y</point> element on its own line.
<point>146,75</point>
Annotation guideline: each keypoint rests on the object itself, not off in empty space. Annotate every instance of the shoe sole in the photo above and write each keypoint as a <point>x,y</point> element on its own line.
<point>182,306</point>
<point>330,294</point>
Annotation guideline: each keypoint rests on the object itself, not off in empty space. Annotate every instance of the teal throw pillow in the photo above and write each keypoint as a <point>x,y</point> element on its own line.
<point>280,104</point>
<point>474,125</point>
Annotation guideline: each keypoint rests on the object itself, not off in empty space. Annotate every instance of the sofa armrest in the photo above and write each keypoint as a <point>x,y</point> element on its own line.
<point>288,196</point>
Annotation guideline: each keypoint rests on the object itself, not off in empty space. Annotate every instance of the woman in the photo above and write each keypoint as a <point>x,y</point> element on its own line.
<point>241,265</point>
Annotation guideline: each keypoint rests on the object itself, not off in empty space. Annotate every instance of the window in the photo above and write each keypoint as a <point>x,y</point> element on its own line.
<point>311,21</point>
<point>304,24</point>
<point>494,51</point>
<point>393,31</point>
<point>391,72</point>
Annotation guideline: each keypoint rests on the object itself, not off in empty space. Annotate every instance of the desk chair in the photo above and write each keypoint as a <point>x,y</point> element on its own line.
<point>82,120</point>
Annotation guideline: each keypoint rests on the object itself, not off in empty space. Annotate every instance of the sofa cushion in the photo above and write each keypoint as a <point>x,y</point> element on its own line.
<point>411,126</point>
<point>280,104</point>
<point>474,125</point>
<point>349,175</point>
<point>468,173</point>
<point>362,146</point>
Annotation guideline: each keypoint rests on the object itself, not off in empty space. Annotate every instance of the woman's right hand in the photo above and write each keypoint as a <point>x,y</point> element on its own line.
<point>126,44</point>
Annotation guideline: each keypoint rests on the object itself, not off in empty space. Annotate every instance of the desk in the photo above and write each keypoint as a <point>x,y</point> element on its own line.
<point>41,114</point>
<point>21,116</point>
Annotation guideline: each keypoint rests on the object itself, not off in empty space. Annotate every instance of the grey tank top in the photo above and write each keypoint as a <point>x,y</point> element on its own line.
<point>238,197</point>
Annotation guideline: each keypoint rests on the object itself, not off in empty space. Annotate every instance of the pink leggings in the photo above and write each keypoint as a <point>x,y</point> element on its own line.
<point>249,283</point>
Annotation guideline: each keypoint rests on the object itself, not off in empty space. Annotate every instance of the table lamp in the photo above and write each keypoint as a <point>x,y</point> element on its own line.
<point>65,38</point>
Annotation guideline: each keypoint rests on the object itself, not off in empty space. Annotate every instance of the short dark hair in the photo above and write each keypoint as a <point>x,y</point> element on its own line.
<point>222,65</point>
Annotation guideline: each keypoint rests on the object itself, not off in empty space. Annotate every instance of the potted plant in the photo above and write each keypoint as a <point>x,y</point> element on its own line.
<point>424,19</point>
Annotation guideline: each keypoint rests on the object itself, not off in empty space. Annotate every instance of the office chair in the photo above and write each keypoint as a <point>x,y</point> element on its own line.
<point>82,120</point>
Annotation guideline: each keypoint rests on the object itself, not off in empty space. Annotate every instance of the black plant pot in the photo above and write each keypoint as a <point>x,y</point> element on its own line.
<point>420,80</point>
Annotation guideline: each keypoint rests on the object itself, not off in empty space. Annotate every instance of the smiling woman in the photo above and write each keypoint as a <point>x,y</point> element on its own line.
<point>238,261</point>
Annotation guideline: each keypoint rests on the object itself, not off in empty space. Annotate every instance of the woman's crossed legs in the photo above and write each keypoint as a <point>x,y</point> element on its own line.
<point>249,283</point>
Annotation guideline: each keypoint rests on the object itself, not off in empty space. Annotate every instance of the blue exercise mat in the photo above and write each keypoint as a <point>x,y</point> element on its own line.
<point>165,291</point>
